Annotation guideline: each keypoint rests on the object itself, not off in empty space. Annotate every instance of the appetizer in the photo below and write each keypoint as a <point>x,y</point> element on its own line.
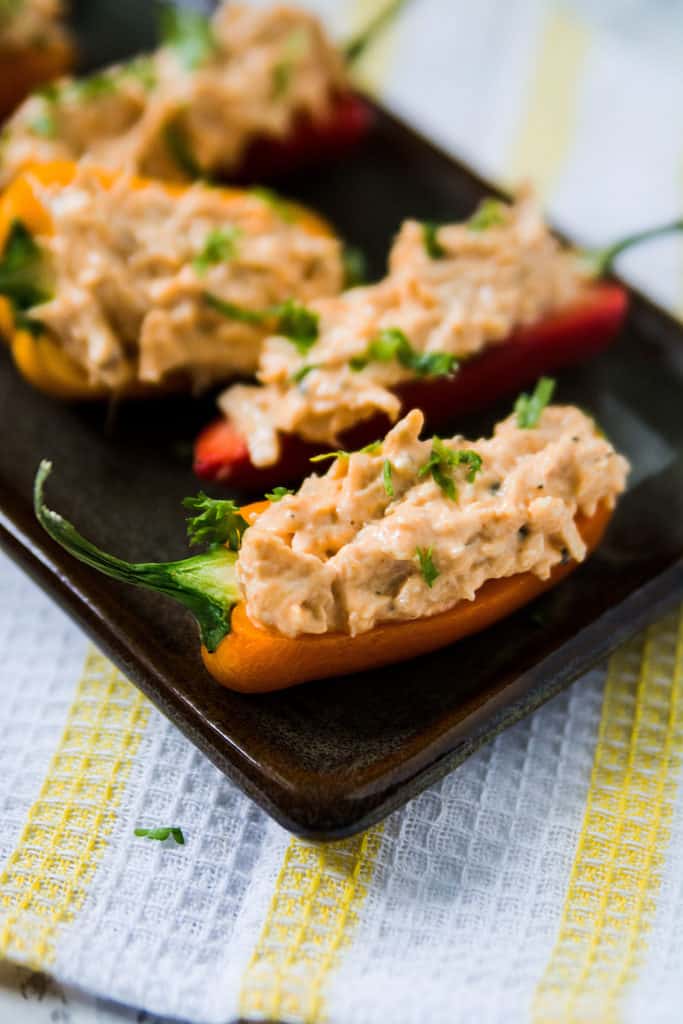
<point>467,313</point>
<point>111,284</point>
<point>34,48</point>
<point>245,92</point>
<point>399,549</point>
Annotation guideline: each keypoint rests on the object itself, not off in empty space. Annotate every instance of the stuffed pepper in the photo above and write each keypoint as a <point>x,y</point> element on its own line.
<point>398,549</point>
<point>244,93</point>
<point>34,48</point>
<point>111,284</point>
<point>467,313</point>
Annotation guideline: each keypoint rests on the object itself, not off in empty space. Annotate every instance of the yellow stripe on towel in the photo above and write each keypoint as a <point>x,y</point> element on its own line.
<point>547,130</point>
<point>616,875</point>
<point>314,909</point>
<point>46,878</point>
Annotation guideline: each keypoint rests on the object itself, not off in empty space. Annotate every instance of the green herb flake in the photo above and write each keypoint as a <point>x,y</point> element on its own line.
<point>93,87</point>
<point>179,149</point>
<point>355,266</point>
<point>44,125</point>
<point>303,372</point>
<point>368,449</point>
<point>298,324</point>
<point>189,33</point>
<point>162,834</point>
<point>22,270</point>
<point>142,69</point>
<point>294,48</point>
<point>232,311</point>
<point>489,214</point>
<point>430,238</point>
<point>387,478</point>
<point>280,206</point>
<point>278,493</point>
<point>216,522</point>
<point>443,460</point>
<point>392,344</point>
<point>427,568</point>
<point>220,247</point>
<point>528,408</point>
<point>340,454</point>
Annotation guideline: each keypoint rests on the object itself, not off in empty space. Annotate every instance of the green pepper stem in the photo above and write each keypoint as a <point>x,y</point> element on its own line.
<point>357,45</point>
<point>600,261</point>
<point>206,584</point>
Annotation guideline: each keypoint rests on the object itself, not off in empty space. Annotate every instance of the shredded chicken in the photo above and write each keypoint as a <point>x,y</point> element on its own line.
<point>260,70</point>
<point>345,553</point>
<point>129,283</point>
<point>485,283</point>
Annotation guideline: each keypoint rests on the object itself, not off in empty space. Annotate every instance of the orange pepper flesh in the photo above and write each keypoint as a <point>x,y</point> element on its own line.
<point>24,70</point>
<point>252,659</point>
<point>39,358</point>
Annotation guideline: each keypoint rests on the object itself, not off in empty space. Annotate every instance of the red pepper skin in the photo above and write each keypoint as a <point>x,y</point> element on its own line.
<point>556,342</point>
<point>311,142</point>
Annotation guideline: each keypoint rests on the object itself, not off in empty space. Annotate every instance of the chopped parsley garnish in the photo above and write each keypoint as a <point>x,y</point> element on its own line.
<point>528,408</point>
<point>161,834</point>
<point>296,322</point>
<point>294,48</point>
<point>180,150</point>
<point>303,372</point>
<point>489,214</point>
<point>392,344</point>
<point>427,568</point>
<point>355,266</point>
<point>216,522</point>
<point>232,311</point>
<point>278,493</point>
<point>142,69</point>
<point>44,125</point>
<point>443,460</point>
<point>268,195</point>
<point>387,478</point>
<point>432,245</point>
<point>22,271</point>
<point>219,247</point>
<point>92,87</point>
<point>369,449</point>
<point>189,33</point>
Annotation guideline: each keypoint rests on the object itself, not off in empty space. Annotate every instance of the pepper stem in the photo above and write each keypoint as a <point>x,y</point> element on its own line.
<point>358,44</point>
<point>206,584</point>
<point>600,261</point>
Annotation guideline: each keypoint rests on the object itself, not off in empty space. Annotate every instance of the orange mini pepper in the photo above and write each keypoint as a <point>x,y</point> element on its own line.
<point>244,656</point>
<point>38,356</point>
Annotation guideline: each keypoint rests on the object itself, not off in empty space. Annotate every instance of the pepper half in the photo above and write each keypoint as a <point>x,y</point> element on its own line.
<point>563,339</point>
<point>243,656</point>
<point>38,356</point>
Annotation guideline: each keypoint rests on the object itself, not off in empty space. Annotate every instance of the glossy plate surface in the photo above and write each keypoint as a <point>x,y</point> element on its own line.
<point>330,758</point>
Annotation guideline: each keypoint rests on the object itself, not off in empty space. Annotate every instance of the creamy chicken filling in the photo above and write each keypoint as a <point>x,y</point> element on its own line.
<point>450,293</point>
<point>404,529</point>
<point>26,23</point>
<point>192,107</point>
<point>133,265</point>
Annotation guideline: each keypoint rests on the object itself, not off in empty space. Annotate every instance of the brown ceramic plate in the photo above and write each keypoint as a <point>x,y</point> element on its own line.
<point>330,758</point>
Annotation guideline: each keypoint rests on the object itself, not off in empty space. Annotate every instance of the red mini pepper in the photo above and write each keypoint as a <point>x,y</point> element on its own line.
<point>319,140</point>
<point>563,339</point>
